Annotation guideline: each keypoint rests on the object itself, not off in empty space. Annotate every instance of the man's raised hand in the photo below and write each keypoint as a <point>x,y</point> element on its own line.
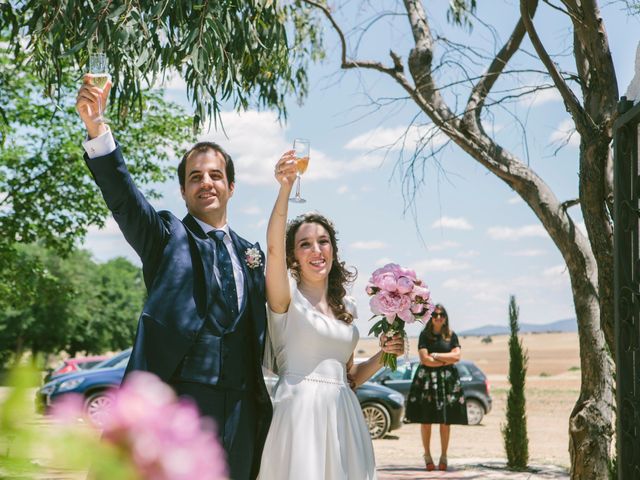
<point>88,107</point>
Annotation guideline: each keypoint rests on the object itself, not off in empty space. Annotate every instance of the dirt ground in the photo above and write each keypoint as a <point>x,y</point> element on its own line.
<point>553,385</point>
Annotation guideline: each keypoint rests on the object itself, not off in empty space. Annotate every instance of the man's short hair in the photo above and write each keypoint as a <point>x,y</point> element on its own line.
<point>202,147</point>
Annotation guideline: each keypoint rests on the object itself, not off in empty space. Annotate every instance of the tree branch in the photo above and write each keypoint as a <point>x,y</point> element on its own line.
<point>584,123</point>
<point>569,203</point>
<point>396,72</point>
<point>343,46</point>
<point>483,87</point>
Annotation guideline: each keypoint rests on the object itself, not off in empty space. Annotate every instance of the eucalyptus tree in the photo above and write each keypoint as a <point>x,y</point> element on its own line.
<point>236,53</point>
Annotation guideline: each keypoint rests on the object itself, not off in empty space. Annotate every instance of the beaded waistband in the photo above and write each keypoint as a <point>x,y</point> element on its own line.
<point>315,378</point>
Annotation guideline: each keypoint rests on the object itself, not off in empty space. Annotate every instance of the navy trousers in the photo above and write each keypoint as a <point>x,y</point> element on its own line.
<point>236,418</point>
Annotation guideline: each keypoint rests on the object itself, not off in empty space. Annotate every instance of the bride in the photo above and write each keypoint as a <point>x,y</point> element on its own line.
<point>318,431</point>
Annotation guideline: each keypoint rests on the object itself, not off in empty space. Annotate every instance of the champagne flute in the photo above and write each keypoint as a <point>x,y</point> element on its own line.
<point>302,150</point>
<point>98,68</point>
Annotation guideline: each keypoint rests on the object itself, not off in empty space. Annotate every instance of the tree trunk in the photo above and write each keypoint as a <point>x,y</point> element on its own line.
<point>590,422</point>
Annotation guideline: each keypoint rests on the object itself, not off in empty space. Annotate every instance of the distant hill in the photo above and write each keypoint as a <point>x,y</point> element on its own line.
<point>567,325</point>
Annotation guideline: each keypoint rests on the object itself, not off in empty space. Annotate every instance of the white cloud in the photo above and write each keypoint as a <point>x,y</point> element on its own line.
<point>252,210</point>
<point>509,233</point>
<point>443,245</point>
<point>479,289</point>
<point>458,223</point>
<point>469,254</point>
<point>540,97</point>
<point>174,81</point>
<point>438,265</point>
<point>566,133</point>
<point>110,229</point>
<point>368,245</point>
<point>256,140</point>
<point>556,271</point>
<point>515,200</point>
<point>108,242</point>
<point>343,189</point>
<point>390,139</point>
<point>527,253</point>
<point>261,223</point>
<point>381,262</point>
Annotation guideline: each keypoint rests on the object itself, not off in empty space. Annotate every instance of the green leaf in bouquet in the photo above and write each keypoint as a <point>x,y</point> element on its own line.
<point>381,326</point>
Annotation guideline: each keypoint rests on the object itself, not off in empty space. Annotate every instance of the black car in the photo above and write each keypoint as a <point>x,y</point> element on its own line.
<point>474,384</point>
<point>382,407</point>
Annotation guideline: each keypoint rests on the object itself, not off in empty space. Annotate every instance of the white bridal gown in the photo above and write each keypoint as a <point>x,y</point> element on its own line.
<point>318,431</point>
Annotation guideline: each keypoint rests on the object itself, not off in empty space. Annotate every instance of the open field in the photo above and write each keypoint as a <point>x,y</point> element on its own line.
<point>553,386</point>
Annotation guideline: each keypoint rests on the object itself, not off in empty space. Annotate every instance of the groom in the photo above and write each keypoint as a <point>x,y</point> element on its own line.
<point>202,328</point>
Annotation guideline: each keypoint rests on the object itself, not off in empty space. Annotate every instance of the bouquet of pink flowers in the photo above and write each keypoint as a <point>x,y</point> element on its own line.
<point>399,297</point>
<point>157,435</point>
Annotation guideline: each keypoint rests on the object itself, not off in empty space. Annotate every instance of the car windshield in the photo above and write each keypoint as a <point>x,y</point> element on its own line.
<point>90,365</point>
<point>122,363</point>
<point>115,360</point>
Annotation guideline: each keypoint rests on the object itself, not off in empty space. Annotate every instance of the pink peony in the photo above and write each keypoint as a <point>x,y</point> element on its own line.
<point>405,285</point>
<point>387,287</point>
<point>391,304</point>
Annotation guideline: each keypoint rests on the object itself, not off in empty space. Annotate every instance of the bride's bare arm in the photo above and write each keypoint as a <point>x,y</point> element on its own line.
<point>363,371</point>
<point>277,282</point>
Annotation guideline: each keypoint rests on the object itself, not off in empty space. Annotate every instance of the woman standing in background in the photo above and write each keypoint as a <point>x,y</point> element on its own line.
<point>436,392</point>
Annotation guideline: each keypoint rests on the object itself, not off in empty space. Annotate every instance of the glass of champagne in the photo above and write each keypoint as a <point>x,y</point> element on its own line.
<point>98,68</point>
<point>302,149</point>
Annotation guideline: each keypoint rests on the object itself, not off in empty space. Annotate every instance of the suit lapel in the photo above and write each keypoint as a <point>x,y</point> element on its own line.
<point>207,256</point>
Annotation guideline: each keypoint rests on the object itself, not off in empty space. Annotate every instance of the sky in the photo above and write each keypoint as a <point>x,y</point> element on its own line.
<point>466,234</point>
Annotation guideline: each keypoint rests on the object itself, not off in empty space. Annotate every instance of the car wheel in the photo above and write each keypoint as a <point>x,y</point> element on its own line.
<point>377,418</point>
<point>475,411</point>
<point>97,407</point>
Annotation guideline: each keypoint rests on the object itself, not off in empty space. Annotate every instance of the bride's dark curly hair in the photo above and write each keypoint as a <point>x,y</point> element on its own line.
<point>340,276</point>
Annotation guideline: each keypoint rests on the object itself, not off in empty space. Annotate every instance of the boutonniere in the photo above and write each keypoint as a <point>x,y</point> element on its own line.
<point>252,257</point>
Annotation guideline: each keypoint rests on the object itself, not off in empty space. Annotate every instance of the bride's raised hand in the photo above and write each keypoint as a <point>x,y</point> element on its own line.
<point>285,170</point>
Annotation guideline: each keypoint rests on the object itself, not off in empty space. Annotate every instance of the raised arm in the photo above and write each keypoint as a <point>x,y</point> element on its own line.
<point>277,281</point>
<point>141,225</point>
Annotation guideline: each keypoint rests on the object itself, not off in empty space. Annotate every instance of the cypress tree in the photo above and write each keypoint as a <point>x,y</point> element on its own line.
<point>514,432</point>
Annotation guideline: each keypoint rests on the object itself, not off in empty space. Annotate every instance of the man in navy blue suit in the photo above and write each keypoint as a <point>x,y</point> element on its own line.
<point>202,328</point>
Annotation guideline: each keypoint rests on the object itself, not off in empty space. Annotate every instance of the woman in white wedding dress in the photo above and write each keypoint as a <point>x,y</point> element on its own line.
<point>318,431</point>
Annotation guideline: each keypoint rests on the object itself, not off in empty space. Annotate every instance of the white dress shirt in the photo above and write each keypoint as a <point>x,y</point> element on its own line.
<point>105,144</point>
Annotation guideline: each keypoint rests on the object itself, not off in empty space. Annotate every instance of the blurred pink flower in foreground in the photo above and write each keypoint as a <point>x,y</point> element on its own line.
<point>164,437</point>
